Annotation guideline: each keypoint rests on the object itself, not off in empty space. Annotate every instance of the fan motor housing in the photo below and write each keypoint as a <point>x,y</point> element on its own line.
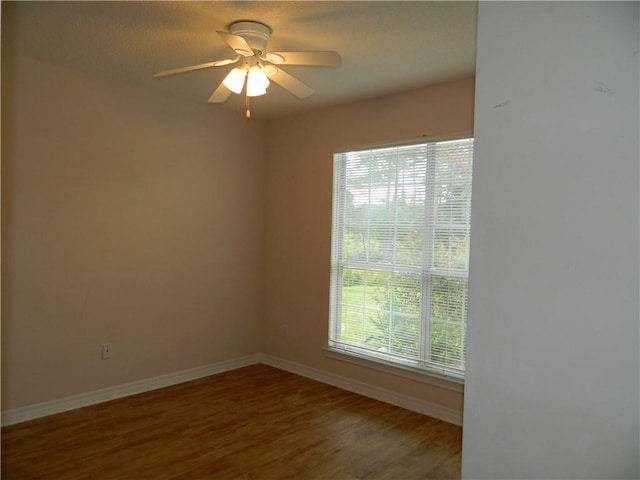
<point>255,33</point>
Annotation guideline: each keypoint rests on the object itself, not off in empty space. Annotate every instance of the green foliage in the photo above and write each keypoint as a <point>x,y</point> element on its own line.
<point>447,344</point>
<point>395,323</point>
<point>448,313</point>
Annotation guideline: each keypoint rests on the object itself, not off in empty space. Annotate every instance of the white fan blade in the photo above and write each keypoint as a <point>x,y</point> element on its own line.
<point>177,71</point>
<point>237,43</point>
<point>291,84</point>
<point>220,95</point>
<point>320,59</point>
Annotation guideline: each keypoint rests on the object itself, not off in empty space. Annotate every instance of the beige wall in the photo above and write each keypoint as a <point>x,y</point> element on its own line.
<point>127,217</point>
<point>160,226</point>
<point>300,157</point>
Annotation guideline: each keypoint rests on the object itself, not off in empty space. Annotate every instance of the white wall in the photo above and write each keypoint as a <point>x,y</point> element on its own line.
<point>553,367</point>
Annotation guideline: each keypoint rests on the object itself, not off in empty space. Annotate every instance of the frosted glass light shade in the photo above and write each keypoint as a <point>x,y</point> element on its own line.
<point>234,80</point>
<point>257,82</point>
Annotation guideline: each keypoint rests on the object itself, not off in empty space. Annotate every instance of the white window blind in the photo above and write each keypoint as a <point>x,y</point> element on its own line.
<point>400,254</point>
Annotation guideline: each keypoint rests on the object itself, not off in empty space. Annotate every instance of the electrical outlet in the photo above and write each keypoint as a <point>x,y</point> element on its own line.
<point>285,330</point>
<point>106,351</point>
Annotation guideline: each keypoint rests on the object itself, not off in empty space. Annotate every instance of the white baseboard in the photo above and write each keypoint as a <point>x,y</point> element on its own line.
<point>31,412</point>
<point>410,403</point>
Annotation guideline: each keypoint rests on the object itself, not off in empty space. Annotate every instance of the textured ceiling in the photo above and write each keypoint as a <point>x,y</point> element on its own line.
<point>386,47</point>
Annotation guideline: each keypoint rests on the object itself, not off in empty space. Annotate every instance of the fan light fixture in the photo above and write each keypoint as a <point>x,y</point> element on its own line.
<point>257,67</point>
<point>257,81</point>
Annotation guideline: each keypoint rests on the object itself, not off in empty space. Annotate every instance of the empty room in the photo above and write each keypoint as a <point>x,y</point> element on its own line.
<point>314,240</point>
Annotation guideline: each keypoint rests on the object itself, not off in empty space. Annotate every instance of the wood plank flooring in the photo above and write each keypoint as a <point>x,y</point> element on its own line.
<point>256,422</point>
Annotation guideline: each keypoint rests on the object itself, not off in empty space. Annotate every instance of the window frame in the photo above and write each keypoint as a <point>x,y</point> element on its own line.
<point>422,367</point>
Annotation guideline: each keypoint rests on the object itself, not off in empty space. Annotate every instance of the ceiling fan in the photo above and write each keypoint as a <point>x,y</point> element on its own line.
<point>248,39</point>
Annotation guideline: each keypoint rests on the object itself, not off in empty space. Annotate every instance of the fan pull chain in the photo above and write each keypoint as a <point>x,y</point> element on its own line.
<point>246,102</point>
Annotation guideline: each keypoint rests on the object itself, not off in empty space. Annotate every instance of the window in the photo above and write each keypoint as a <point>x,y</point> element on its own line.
<point>400,254</point>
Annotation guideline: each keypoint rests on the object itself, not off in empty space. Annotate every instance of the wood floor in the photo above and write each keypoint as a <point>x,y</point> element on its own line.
<point>256,422</point>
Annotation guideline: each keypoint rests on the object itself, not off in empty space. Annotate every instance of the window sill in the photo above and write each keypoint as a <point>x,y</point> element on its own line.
<point>432,378</point>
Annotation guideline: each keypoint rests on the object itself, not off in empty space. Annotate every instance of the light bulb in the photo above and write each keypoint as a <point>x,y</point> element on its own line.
<point>257,82</point>
<point>234,80</point>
